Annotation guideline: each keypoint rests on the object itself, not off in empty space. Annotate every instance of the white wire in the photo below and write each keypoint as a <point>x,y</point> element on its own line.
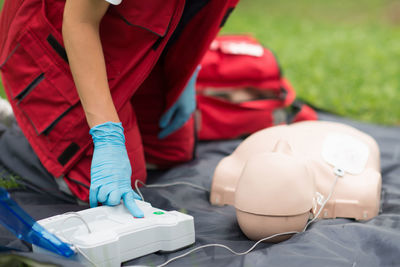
<point>226,247</point>
<point>324,203</point>
<point>74,247</point>
<point>85,256</point>
<point>166,185</point>
<point>78,216</point>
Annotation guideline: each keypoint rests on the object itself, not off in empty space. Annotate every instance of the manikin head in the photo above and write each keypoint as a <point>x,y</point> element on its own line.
<point>279,201</point>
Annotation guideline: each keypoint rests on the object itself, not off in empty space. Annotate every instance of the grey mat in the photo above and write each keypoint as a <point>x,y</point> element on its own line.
<point>338,242</point>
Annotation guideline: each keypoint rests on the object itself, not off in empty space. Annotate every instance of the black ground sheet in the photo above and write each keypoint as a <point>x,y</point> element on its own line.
<point>336,242</point>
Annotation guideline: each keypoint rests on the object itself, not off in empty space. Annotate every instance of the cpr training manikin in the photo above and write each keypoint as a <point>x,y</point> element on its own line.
<point>280,177</point>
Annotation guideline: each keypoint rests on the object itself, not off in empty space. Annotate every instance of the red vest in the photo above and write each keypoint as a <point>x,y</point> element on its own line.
<point>39,85</point>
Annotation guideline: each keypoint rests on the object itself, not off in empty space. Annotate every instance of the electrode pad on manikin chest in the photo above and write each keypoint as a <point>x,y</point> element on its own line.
<point>345,152</point>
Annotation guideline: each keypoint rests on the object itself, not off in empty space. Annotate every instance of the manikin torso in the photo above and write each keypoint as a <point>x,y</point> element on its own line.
<point>278,176</point>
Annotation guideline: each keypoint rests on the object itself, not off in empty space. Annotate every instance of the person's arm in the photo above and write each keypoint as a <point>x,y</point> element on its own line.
<point>82,43</point>
<point>110,173</point>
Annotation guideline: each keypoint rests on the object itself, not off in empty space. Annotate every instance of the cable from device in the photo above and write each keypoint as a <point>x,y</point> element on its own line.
<point>226,247</point>
<point>75,214</point>
<point>167,185</point>
<point>73,246</point>
<point>338,173</point>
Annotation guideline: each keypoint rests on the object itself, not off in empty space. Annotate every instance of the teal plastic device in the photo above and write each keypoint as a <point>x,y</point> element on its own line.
<point>16,220</point>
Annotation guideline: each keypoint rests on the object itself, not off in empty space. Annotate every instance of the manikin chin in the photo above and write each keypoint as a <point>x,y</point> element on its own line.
<point>280,177</point>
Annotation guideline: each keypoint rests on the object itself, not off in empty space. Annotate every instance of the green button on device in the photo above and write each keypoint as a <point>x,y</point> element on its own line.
<point>158,213</point>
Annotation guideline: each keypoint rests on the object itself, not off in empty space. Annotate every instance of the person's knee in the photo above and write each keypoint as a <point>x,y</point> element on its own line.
<point>175,149</point>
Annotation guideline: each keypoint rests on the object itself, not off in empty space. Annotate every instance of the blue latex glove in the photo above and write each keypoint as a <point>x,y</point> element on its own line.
<point>181,111</point>
<point>111,169</point>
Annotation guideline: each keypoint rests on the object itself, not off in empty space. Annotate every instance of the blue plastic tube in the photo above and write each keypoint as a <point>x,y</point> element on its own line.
<point>15,219</point>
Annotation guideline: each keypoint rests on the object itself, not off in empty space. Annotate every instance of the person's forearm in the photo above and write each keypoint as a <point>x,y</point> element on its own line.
<point>85,55</point>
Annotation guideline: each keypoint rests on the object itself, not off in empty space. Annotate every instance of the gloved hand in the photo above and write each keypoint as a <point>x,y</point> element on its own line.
<point>181,111</point>
<point>111,169</point>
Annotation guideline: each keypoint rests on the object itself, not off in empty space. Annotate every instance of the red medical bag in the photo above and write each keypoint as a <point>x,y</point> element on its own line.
<point>240,90</point>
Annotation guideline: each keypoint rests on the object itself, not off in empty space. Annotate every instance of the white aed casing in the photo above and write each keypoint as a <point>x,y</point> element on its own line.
<point>116,236</point>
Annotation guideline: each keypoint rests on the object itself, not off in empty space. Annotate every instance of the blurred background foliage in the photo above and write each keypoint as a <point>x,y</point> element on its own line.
<point>340,55</point>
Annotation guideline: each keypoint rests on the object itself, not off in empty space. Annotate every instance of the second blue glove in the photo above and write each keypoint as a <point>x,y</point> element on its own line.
<point>182,110</point>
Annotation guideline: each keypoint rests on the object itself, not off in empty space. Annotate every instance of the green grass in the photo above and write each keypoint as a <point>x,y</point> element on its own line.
<point>9,180</point>
<point>8,184</point>
<point>340,55</point>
